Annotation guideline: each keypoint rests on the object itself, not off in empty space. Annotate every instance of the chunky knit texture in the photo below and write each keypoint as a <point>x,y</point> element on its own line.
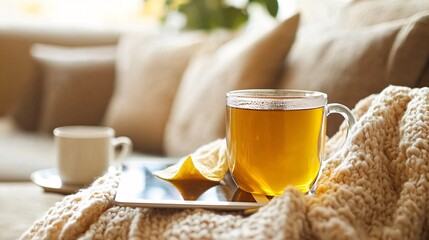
<point>375,187</point>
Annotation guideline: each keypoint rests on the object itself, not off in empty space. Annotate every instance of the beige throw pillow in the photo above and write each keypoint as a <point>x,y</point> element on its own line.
<point>17,67</point>
<point>358,13</point>
<point>250,61</point>
<point>150,68</point>
<point>349,65</point>
<point>73,87</point>
<point>321,10</point>
<point>365,13</point>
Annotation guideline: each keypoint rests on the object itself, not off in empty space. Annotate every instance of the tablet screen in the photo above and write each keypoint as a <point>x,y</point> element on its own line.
<point>138,187</point>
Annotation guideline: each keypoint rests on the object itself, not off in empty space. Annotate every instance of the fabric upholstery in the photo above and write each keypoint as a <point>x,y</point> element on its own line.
<point>16,64</point>
<point>150,68</point>
<point>350,64</point>
<point>73,87</point>
<point>424,77</point>
<point>365,13</point>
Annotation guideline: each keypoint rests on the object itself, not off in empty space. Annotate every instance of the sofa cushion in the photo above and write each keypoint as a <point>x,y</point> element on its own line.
<point>349,65</point>
<point>16,39</point>
<point>150,68</point>
<point>365,13</point>
<point>321,10</point>
<point>251,60</point>
<point>358,13</point>
<point>73,87</point>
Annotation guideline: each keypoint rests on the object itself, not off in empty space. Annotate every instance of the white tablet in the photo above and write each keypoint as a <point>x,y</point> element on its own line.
<point>138,187</point>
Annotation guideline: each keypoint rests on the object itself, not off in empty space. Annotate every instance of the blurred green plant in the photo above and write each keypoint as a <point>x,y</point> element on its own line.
<point>212,14</point>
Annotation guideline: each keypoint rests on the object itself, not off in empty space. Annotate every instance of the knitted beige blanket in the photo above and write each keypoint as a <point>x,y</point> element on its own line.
<point>376,187</point>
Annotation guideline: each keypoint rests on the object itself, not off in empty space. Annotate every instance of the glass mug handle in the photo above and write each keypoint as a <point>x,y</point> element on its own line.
<point>345,113</point>
<point>350,119</point>
<point>126,149</point>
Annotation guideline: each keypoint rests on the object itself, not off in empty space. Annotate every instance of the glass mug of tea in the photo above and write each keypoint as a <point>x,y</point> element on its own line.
<point>276,138</point>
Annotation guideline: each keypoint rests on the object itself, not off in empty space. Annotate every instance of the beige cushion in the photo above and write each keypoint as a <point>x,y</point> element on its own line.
<point>150,68</point>
<point>366,13</point>
<point>250,61</point>
<point>358,13</point>
<point>351,64</point>
<point>16,39</point>
<point>321,10</point>
<point>73,87</point>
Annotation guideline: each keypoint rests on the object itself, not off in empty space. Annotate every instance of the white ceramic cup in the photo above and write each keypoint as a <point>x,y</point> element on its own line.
<point>86,152</point>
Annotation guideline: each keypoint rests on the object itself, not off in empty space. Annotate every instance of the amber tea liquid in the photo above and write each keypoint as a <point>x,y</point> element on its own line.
<point>271,149</point>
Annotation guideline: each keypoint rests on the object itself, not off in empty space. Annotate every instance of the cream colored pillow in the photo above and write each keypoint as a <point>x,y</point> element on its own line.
<point>349,65</point>
<point>17,67</point>
<point>150,68</point>
<point>365,13</point>
<point>321,10</point>
<point>250,61</point>
<point>73,87</point>
<point>358,13</point>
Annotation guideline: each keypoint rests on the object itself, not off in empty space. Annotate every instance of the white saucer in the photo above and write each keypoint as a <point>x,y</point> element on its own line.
<point>50,181</point>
